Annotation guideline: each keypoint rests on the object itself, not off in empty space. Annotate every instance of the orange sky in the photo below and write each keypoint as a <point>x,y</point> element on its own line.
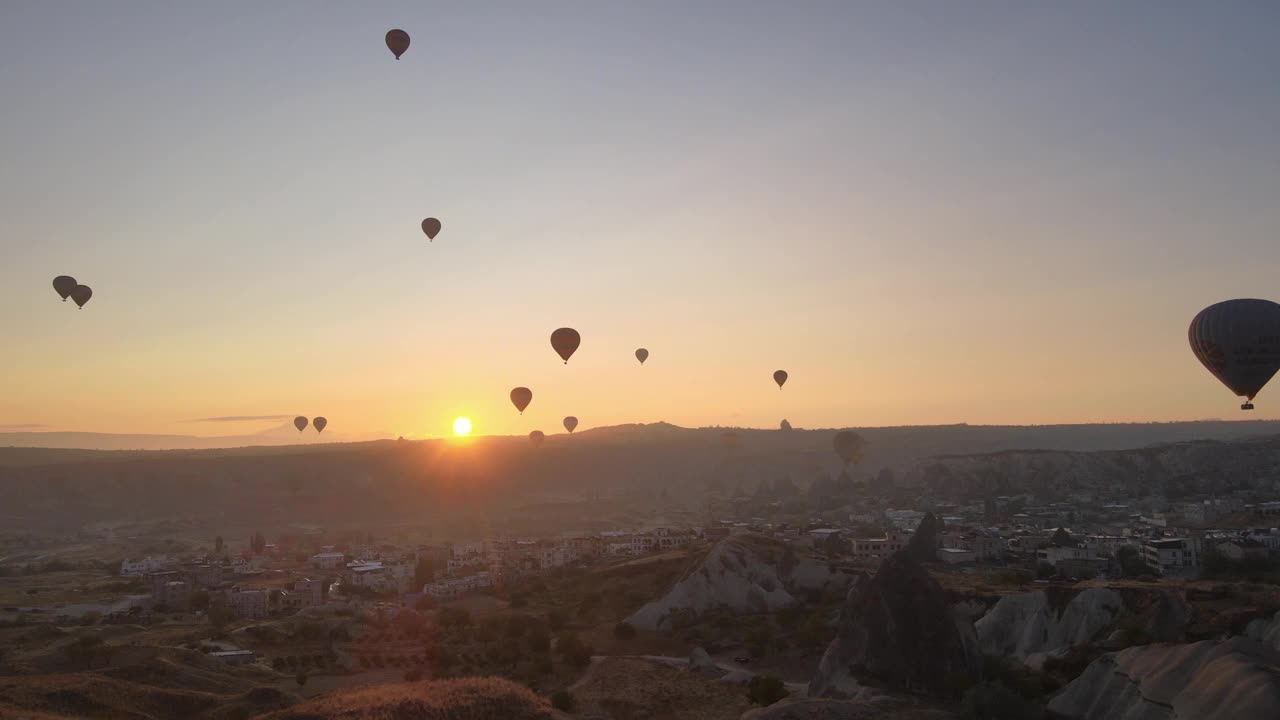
<point>861,201</point>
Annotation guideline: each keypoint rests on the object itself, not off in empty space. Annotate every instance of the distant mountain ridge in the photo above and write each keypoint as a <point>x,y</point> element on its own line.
<point>927,439</point>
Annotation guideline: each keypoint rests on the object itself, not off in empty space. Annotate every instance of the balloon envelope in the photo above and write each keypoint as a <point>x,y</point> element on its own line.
<point>784,424</point>
<point>319,424</point>
<point>848,445</point>
<point>780,377</point>
<point>570,423</point>
<point>642,355</point>
<point>521,397</point>
<point>80,294</point>
<point>431,227</point>
<point>64,284</point>
<point>565,341</point>
<point>536,437</point>
<point>397,42</point>
<point>300,423</point>
<point>1239,342</point>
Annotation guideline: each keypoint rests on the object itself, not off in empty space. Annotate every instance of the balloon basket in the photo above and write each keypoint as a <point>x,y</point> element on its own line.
<point>1247,406</point>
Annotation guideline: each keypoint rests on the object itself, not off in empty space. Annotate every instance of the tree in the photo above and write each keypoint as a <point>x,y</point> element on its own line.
<point>220,616</point>
<point>301,679</point>
<point>766,690</point>
<point>217,545</point>
<point>556,619</point>
<point>563,701</point>
<point>994,700</point>
<point>624,631</point>
<point>200,600</point>
<point>258,543</point>
<point>424,572</point>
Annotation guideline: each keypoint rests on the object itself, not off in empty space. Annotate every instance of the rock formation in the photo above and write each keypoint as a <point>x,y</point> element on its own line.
<point>898,631</point>
<point>1236,679</point>
<point>745,573</point>
<point>1265,631</point>
<point>1028,626</point>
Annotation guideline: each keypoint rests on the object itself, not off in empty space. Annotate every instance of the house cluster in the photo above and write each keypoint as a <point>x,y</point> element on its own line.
<point>462,568</point>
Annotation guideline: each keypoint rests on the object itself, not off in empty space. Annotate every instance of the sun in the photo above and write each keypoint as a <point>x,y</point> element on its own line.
<point>461,426</point>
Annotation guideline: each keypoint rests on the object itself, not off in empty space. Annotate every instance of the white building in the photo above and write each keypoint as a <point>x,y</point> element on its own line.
<point>453,587</point>
<point>1177,556</point>
<point>955,556</point>
<point>247,603</point>
<point>327,560</point>
<point>1054,554</point>
<point>879,547</point>
<point>145,566</point>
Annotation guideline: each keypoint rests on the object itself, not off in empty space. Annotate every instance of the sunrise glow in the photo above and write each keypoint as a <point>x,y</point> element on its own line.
<point>461,426</point>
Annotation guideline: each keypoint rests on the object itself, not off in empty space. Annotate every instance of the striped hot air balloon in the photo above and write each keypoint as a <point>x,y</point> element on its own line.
<point>1239,342</point>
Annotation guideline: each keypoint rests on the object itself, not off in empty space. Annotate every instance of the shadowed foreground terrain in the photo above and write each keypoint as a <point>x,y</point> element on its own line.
<point>472,698</point>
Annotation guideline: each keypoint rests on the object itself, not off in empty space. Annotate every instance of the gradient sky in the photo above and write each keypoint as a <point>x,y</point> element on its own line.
<point>927,212</point>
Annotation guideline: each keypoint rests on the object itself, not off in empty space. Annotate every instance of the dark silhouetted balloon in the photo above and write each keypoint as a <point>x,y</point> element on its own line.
<point>536,437</point>
<point>64,284</point>
<point>397,42</point>
<point>431,227</point>
<point>1239,342</point>
<point>785,425</point>
<point>521,397</point>
<point>300,423</point>
<point>565,341</point>
<point>319,424</point>
<point>642,355</point>
<point>570,423</point>
<point>780,377</point>
<point>80,294</point>
<point>848,445</point>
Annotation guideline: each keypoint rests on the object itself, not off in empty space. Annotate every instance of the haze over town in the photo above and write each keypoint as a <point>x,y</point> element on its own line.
<point>606,361</point>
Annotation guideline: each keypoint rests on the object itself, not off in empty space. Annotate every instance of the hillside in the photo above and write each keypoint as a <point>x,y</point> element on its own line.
<point>1174,469</point>
<point>470,698</point>
<point>631,466</point>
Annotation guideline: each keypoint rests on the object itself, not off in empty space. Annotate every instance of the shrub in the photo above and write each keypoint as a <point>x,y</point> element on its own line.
<point>994,700</point>
<point>413,675</point>
<point>624,631</point>
<point>766,690</point>
<point>563,701</point>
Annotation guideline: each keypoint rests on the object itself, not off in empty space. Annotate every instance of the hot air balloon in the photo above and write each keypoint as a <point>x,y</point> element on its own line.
<point>565,341</point>
<point>80,294</point>
<point>780,377</point>
<point>431,227</point>
<point>784,425</point>
<point>300,423</point>
<point>397,42</point>
<point>64,284</point>
<point>521,397</point>
<point>848,445</point>
<point>536,437</point>
<point>570,423</point>
<point>319,424</point>
<point>642,355</point>
<point>1239,342</point>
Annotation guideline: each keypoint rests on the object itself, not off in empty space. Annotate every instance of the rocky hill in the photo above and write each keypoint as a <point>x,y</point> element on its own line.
<point>746,573</point>
<point>1032,627</point>
<point>898,631</point>
<point>1172,470</point>
<point>1236,679</point>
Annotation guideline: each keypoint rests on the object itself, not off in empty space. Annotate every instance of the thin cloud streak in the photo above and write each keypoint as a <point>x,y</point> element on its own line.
<point>239,418</point>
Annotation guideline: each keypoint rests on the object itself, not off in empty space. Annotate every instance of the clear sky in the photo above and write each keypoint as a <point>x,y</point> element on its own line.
<point>926,212</point>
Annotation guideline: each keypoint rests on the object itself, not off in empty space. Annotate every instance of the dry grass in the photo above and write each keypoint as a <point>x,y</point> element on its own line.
<point>469,698</point>
<point>625,688</point>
